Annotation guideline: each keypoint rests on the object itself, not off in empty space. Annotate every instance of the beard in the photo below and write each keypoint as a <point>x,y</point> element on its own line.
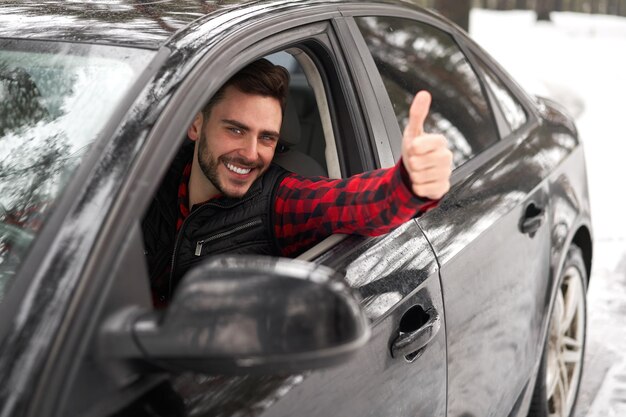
<point>209,165</point>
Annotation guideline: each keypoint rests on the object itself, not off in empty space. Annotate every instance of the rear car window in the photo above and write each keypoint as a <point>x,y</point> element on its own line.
<point>55,99</point>
<point>512,109</point>
<point>413,56</point>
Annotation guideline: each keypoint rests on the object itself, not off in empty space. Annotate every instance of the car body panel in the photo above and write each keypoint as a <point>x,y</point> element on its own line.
<point>128,22</point>
<point>489,328</point>
<point>392,273</point>
<point>504,337</point>
<point>494,307</point>
<point>143,24</point>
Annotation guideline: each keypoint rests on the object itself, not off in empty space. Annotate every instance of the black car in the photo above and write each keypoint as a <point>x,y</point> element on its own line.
<point>477,308</point>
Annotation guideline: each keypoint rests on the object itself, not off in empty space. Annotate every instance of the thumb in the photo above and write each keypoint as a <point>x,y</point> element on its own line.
<point>417,114</point>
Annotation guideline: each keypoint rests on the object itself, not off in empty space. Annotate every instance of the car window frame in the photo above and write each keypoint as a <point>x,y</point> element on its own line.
<point>382,94</point>
<point>336,124</point>
<point>469,48</point>
<point>325,31</point>
<point>480,58</point>
<point>326,25</point>
<point>507,139</point>
<point>501,123</point>
<point>159,149</point>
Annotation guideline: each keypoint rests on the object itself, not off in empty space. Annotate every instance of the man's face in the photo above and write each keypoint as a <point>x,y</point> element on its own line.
<point>238,140</point>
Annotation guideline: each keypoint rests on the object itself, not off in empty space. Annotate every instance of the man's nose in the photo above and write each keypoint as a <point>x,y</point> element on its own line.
<point>249,148</point>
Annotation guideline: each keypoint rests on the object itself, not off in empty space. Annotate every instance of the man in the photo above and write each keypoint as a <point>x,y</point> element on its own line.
<point>223,194</point>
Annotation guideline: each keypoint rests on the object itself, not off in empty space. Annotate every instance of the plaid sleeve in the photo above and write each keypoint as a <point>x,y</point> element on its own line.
<point>308,209</point>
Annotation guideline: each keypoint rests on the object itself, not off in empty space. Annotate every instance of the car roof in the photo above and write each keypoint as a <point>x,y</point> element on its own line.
<point>125,22</point>
<point>146,24</point>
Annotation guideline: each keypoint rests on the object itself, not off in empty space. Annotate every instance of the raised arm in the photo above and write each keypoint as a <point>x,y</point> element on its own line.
<point>426,156</point>
<point>371,203</point>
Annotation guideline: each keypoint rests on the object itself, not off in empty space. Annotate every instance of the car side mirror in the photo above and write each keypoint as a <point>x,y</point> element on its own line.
<point>238,315</point>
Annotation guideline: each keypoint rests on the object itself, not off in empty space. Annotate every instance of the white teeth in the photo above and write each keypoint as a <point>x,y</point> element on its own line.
<point>238,170</point>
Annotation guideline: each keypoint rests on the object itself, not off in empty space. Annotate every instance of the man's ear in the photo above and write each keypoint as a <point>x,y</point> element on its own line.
<point>195,129</point>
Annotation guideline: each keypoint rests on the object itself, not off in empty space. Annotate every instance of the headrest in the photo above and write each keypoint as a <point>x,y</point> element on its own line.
<point>290,129</point>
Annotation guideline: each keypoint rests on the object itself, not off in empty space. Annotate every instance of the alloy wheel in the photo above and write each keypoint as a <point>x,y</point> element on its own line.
<point>566,344</point>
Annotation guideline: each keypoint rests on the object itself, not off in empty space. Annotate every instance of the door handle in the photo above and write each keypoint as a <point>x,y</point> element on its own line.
<point>410,343</point>
<point>532,220</point>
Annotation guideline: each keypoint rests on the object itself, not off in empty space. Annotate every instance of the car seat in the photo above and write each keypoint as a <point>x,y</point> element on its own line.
<point>287,156</point>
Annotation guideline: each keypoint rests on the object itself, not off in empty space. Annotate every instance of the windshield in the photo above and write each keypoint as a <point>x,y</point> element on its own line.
<point>55,98</point>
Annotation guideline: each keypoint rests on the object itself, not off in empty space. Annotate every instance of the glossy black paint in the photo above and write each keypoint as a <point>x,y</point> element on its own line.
<point>393,274</point>
<point>374,267</point>
<point>493,309</point>
<point>247,315</point>
<point>142,24</point>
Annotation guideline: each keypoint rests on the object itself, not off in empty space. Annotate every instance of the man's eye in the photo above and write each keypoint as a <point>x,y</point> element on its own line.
<point>269,138</point>
<point>235,130</point>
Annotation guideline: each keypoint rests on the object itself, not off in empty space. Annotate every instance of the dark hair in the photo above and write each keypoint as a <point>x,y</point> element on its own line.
<point>260,77</point>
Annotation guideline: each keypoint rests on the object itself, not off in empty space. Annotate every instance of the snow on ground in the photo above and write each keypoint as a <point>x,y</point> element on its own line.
<point>580,61</point>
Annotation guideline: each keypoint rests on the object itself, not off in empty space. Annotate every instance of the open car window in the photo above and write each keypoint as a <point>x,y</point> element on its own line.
<point>307,139</point>
<point>55,99</point>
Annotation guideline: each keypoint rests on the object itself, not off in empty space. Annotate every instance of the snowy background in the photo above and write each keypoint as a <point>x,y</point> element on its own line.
<point>580,61</point>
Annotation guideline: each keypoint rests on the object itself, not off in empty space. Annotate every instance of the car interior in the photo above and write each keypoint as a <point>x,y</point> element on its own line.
<point>307,145</point>
<point>307,140</point>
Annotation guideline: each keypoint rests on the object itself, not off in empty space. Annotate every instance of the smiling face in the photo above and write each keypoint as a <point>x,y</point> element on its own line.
<point>235,144</point>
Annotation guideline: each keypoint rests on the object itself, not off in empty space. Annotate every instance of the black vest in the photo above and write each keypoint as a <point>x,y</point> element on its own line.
<point>223,225</point>
<point>230,225</point>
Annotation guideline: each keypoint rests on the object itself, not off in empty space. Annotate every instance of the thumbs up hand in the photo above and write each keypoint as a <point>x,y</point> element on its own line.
<point>426,156</point>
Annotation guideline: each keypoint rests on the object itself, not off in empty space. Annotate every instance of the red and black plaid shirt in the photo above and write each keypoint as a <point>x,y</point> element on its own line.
<point>308,209</point>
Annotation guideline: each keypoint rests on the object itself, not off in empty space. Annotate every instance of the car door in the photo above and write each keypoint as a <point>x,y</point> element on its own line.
<point>489,232</point>
<point>396,275</point>
<point>401,371</point>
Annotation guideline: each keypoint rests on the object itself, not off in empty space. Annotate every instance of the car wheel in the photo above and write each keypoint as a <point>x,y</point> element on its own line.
<point>560,372</point>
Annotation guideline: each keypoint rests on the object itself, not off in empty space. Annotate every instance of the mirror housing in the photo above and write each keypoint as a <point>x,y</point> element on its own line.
<point>235,315</point>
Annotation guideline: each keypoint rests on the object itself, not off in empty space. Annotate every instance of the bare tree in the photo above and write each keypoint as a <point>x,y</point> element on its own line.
<point>521,4</point>
<point>455,10</point>
<point>543,9</point>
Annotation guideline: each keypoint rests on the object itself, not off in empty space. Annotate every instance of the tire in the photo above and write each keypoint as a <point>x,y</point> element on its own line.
<point>558,379</point>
